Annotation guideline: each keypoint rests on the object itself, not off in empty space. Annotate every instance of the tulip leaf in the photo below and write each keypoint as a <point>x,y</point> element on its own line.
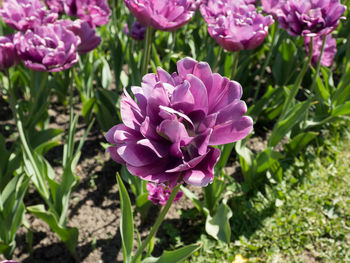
<point>218,226</point>
<point>343,109</point>
<point>69,236</point>
<point>300,141</point>
<point>126,221</point>
<point>173,256</point>
<point>284,126</point>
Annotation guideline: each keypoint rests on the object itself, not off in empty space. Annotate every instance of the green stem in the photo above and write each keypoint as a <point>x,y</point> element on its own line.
<point>156,224</point>
<point>146,51</point>
<point>218,57</point>
<point>14,107</point>
<point>267,61</point>
<point>318,66</point>
<point>234,64</point>
<point>297,83</point>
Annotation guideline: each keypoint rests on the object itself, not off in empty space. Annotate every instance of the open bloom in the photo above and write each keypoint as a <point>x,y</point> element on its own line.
<point>26,14</point>
<point>159,193</point>
<point>62,6</point>
<point>8,53</point>
<point>48,48</point>
<point>310,17</point>
<point>161,14</point>
<point>95,12</point>
<point>167,135</point>
<point>88,38</point>
<point>272,6</point>
<point>329,51</point>
<point>235,25</point>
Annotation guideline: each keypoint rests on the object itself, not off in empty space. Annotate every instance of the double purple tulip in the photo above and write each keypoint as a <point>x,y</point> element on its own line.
<point>329,51</point>
<point>168,134</point>
<point>47,48</point>
<point>234,24</point>
<point>26,14</point>
<point>162,14</point>
<point>306,18</point>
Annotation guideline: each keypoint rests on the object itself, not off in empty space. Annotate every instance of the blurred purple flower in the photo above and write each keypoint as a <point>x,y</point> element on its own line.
<point>167,134</point>
<point>329,51</point>
<point>272,6</point>
<point>95,12</point>
<point>62,6</point>
<point>161,14</point>
<point>235,25</point>
<point>47,48</point>
<point>138,31</point>
<point>9,261</point>
<point>88,38</point>
<point>8,53</point>
<point>125,29</point>
<point>310,17</point>
<point>159,193</point>
<point>26,14</point>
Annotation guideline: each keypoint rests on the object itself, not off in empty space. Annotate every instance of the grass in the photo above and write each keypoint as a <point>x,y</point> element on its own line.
<point>304,219</point>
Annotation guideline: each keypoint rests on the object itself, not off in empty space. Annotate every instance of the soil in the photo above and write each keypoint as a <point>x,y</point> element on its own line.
<point>95,206</point>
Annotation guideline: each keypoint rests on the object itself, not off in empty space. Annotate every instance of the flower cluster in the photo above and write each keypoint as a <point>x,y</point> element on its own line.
<point>161,14</point>
<point>45,43</point>
<point>159,193</point>
<point>235,25</point>
<point>167,135</point>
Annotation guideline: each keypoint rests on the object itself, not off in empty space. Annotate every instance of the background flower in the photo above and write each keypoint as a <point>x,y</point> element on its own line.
<point>168,134</point>
<point>159,193</point>
<point>26,14</point>
<point>138,31</point>
<point>95,12</point>
<point>62,6</point>
<point>48,48</point>
<point>329,51</point>
<point>161,14</point>
<point>8,53</point>
<point>235,25</point>
<point>309,17</point>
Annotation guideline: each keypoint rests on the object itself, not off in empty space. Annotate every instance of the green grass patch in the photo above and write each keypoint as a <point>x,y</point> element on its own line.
<point>304,219</point>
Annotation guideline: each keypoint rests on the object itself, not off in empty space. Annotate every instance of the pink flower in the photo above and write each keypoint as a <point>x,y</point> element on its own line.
<point>168,134</point>
<point>159,193</point>
<point>329,51</point>
<point>162,14</point>
<point>95,12</point>
<point>235,25</point>
<point>26,14</point>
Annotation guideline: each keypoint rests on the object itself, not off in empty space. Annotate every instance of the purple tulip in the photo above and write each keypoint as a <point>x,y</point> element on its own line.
<point>138,31</point>
<point>8,53</point>
<point>26,14</point>
<point>235,25</point>
<point>159,193</point>
<point>88,38</point>
<point>329,51</point>
<point>95,12</point>
<point>310,17</point>
<point>167,135</point>
<point>161,14</point>
<point>48,48</point>
<point>273,6</point>
<point>62,6</point>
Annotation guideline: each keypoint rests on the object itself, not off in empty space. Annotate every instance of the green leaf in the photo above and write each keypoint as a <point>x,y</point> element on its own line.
<point>126,221</point>
<point>143,205</point>
<point>266,159</point>
<point>218,226</point>
<point>173,256</point>
<point>284,126</point>
<point>69,236</point>
<point>192,196</point>
<point>340,110</point>
<point>300,141</point>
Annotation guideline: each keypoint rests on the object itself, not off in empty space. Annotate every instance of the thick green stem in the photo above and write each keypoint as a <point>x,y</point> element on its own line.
<point>234,64</point>
<point>318,66</point>
<point>156,224</point>
<point>218,57</point>
<point>267,61</point>
<point>297,83</point>
<point>146,51</point>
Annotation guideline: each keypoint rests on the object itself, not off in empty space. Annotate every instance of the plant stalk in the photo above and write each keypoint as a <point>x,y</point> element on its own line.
<point>156,224</point>
<point>234,64</point>
<point>147,51</point>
